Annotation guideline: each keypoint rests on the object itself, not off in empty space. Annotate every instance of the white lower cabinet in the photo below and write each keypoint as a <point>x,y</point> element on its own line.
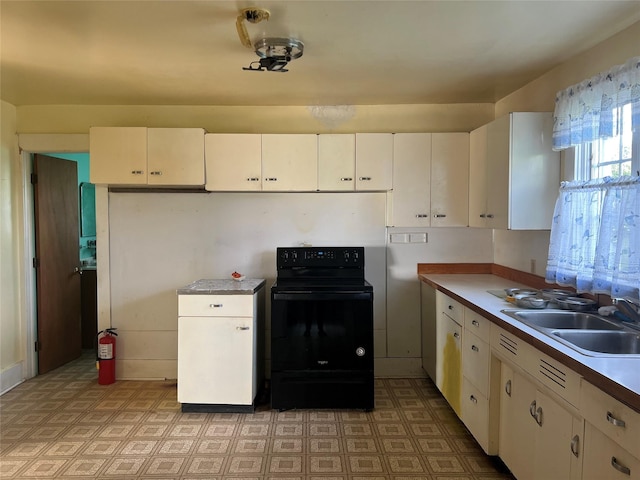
<point>449,349</point>
<point>606,459</point>
<point>219,351</point>
<point>539,437</point>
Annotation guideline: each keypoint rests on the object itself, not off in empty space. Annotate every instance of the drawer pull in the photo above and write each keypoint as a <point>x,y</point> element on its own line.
<point>215,305</point>
<point>474,348</point>
<point>475,323</point>
<point>614,421</point>
<point>575,446</point>
<point>473,399</point>
<point>456,335</point>
<point>619,467</point>
<point>507,388</point>
<point>450,307</point>
<point>242,328</point>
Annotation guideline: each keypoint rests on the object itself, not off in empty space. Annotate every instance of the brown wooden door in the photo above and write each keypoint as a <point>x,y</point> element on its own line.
<point>58,256</point>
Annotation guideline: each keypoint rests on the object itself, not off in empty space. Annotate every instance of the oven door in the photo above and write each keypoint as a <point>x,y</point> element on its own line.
<point>322,331</point>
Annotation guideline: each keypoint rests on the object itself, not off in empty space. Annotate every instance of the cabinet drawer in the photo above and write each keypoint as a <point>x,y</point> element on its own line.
<point>475,361</point>
<point>215,305</point>
<point>557,377</point>
<point>477,324</point>
<point>605,459</point>
<point>614,419</point>
<point>453,308</point>
<point>475,413</point>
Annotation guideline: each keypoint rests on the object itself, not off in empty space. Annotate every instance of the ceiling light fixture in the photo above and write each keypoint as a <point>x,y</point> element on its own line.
<point>274,52</point>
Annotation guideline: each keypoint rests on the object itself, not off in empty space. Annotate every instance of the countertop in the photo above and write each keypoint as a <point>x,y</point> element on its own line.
<point>617,376</point>
<point>216,286</point>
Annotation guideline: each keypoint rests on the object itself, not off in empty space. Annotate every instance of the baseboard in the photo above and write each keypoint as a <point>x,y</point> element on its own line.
<point>398,368</point>
<point>10,378</point>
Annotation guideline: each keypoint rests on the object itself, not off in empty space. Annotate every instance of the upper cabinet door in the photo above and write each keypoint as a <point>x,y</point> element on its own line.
<point>498,173</point>
<point>233,162</point>
<point>374,161</point>
<point>478,177</point>
<point>410,203</point>
<point>336,162</point>
<point>449,179</point>
<point>118,155</point>
<point>290,162</point>
<point>175,156</point>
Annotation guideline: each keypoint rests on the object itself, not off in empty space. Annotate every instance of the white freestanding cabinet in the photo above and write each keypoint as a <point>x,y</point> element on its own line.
<point>514,174</point>
<point>290,162</point>
<point>233,161</point>
<point>147,156</point>
<point>336,162</point>
<point>220,345</point>
<point>374,161</point>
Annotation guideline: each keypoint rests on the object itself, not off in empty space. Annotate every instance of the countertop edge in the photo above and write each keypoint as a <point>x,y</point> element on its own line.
<point>204,286</point>
<point>598,378</point>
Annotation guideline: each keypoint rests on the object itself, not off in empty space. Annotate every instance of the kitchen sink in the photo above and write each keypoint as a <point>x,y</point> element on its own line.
<point>618,343</point>
<point>563,319</point>
<point>587,333</point>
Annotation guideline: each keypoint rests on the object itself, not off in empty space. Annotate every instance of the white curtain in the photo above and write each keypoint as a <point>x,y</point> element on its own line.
<point>595,237</point>
<point>586,111</point>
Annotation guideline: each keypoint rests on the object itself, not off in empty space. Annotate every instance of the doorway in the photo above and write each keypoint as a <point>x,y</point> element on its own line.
<point>65,267</point>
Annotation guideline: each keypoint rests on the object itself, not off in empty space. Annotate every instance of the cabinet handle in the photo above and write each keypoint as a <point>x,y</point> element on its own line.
<point>422,215</point>
<point>507,388</point>
<point>532,409</point>
<point>215,305</point>
<point>482,215</point>
<point>253,179</point>
<point>157,172</point>
<point>242,328</point>
<point>474,348</point>
<point>456,335</point>
<point>136,172</point>
<point>619,467</point>
<point>575,446</point>
<point>450,307</point>
<point>439,215</point>
<point>489,215</point>
<point>364,179</point>
<point>538,416</point>
<point>473,399</point>
<point>475,323</point>
<point>614,421</point>
<point>346,179</point>
<point>271,179</point>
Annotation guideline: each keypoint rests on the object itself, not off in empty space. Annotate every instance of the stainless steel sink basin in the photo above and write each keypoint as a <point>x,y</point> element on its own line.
<point>563,319</point>
<point>618,343</point>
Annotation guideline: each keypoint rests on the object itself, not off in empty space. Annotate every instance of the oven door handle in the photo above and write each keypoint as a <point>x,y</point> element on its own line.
<point>314,296</point>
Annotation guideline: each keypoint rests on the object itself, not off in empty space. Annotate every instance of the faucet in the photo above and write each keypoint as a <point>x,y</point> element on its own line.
<point>629,307</point>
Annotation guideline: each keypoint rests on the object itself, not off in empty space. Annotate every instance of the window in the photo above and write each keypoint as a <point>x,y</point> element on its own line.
<point>613,156</point>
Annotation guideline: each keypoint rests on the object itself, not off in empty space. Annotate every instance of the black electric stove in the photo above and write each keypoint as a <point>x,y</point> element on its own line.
<point>321,329</point>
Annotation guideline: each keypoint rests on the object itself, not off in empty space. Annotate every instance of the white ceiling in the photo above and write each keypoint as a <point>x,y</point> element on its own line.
<point>356,52</point>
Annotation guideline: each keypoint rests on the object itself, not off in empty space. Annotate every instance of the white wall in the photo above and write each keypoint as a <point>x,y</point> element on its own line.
<point>160,242</point>
<point>11,319</point>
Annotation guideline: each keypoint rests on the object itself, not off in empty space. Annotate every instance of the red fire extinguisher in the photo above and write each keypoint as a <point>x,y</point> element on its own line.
<point>107,356</point>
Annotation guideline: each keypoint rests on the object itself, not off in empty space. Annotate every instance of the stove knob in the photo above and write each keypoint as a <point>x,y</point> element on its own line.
<point>360,352</point>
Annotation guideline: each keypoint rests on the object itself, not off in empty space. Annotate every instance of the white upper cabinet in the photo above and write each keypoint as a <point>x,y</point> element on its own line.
<point>118,155</point>
<point>374,161</point>
<point>410,199</point>
<point>175,156</point>
<point>233,161</point>
<point>449,179</point>
<point>522,173</point>
<point>336,162</point>
<point>147,156</point>
<point>290,162</point>
<point>430,180</point>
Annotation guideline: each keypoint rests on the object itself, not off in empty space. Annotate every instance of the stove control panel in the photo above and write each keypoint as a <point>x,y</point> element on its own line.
<point>327,257</point>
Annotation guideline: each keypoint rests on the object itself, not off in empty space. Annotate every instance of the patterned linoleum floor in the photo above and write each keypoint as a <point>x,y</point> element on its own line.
<point>64,425</point>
